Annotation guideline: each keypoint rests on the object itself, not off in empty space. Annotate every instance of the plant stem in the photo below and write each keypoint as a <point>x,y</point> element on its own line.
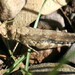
<point>35,26</point>
<point>8,47</point>
<point>15,64</point>
<point>27,59</point>
<point>38,17</point>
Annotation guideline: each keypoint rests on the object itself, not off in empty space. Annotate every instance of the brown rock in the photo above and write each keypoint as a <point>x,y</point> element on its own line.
<point>32,7</point>
<point>46,68</point>
<point>10,8</point>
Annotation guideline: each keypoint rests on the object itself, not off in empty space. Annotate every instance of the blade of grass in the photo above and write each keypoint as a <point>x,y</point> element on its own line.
<point>15,65</point>
<point>35,26</point>
<point>27,59</point>
<point>38,17</point>
<point>8,47</point>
